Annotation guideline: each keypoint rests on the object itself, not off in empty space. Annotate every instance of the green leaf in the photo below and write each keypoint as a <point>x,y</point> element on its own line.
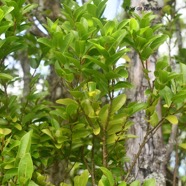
<point>80,47</point>
<point>167,94</point>
<point>1,14</point>
<point>104,181</point>
<point>96,131</point>
<point>159,41</point>
<point>123,184</point>
<point>100,48</point>
<point>154,119</point>
<point>87,107</point>
<point>5,131</point>
<point>103,114</point>
<point>98,62</point>
<point>82,179</point>
<point>45,41</point>
<point>161,64</point>
<point>108,174</point>
<point>133,25</point>
<point>183,145</point>
<point>92,9</point>
<point>66,101</point>
<point>146,52</point>
<point>25,144</point>
<point>109,27</point>
<point>5,76</point>
<point>101,7</point>
<point>135,183</point>
<point>48,132</point>
<point>32,183</point>
<point>172,119</point>
<point>10,174</point>
<point>118,102</point>
<point>150,182</point>
<point>25,169</point>
<point>28,8</point>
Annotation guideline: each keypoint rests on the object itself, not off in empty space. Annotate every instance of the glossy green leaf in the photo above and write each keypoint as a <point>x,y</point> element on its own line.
<point>133,24</point>
<point>25,144</point>
<point>150,182</point>
<point>183,145</point>
<point>100,48</point>
<point>48,132</point>
<point>25,169</point>
<point>87,107</point>
<point>161,63</point>
<point>146,52</point>
<point>104,181</point>
<point>118,102</point>
<point>82,179</point>
<point>135,183</point>
<point>103,114</point>
<point>5,131</point>
<point>154,119</point>
<point>80,47</point>
<point>101,7</point>
<point>172,119</point>
<point>45,41</point>
<point>108,174</point>
<point>5,76</point>
<point>159,41</point>
<point>1,14</point>
<point>123,184</point>
<point>28,8</point>
<point>66,101</point>
<point>167,94</point>
<point>32,183</point>
<point>96,131</point>
<point>10,174</point>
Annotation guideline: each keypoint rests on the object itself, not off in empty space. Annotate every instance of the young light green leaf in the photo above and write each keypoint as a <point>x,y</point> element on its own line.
<point>133,24</point>
<point>87,107</point>
<point>108,174</point>
<point>118,102</point>
<point>66,101</point>
<point>135,183</point>
<point>48,132</point>
<point>96,131</point>
<point>82,179</point>
<point>5,76</point>
<point>9,174</point>
<point>103,114</point>
<point>25,144</point>
<point>150,182</point>
<point>1,14</point>
<point>104,181</point>
<point>182,145</point>
<point>25,169</point>
<point>32,183</point>
<point>154,119</point>
<point>172,119</point>
<point>45,41</point>
<point>5,131</point>
<point>123,184</point>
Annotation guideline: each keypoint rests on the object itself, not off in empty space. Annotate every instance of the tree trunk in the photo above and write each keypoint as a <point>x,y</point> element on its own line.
<point>146,152</point>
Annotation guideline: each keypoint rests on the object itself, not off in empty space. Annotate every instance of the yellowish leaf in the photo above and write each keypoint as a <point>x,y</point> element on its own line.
<point>172,119</point>
<point>183,145</point>
<point>96,131</point>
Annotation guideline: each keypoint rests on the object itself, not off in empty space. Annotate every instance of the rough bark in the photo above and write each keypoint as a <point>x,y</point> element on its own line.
<point>147,152</point>
<point>150,161</point>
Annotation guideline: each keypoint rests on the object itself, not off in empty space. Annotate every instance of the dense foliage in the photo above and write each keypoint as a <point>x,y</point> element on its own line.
<point>87,129</point>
